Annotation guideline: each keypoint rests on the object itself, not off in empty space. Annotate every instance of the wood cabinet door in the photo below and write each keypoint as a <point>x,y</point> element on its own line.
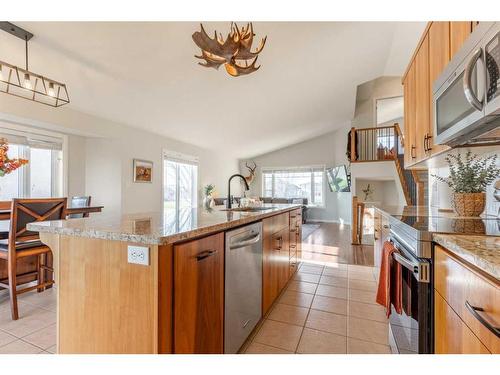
<point>451,335</point>
<point>409,114</point>
<point>439,56</point>
<point>283,238</point>
<point>460,286</point>
<point>422,92</point>
<point>199,296</point>
<point>459,31</point>
<point>270,270</point>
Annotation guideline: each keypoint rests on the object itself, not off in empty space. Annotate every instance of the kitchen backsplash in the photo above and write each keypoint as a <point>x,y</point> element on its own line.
<point>440,194</point>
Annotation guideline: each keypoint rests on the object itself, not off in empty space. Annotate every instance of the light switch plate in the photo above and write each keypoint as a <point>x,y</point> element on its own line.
<point>138,255</point>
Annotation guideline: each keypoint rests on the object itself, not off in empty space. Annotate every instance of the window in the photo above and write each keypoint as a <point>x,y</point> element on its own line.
<point>42,177</point>
<point>300,182</point>
<point>180,183</point>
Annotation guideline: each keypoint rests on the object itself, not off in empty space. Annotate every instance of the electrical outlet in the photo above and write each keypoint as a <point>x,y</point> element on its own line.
<point>138,255</point>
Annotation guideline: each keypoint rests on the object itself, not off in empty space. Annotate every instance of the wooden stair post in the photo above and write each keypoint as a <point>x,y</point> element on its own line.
<point>402,180</point>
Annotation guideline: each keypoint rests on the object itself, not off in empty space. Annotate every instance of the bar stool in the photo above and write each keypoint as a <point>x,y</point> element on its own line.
<point>24,243</point>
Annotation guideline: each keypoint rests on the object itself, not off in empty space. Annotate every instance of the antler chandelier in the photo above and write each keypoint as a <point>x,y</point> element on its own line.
<point>28,85</point>
<point>234,52</point>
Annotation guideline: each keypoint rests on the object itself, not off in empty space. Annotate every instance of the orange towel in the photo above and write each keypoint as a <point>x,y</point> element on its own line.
<point>390,281</point>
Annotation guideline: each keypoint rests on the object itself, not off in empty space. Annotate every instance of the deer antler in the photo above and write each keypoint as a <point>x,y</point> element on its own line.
<point>230,52</point>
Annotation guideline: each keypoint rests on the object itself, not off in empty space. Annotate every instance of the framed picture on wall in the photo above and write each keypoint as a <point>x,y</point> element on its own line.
<point>143,171</point>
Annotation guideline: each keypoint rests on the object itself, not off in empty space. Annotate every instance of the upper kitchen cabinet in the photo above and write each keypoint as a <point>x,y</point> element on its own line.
<point>422,100</point>
<point>459,31</point>
<point>439,56</point>
<point>439,42</point>
<point>409,114</point>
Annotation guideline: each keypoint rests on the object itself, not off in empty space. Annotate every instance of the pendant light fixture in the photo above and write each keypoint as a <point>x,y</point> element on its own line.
<point>25,84</point>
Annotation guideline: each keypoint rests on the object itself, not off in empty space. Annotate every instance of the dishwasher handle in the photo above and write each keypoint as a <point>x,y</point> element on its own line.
<point>245,242</point>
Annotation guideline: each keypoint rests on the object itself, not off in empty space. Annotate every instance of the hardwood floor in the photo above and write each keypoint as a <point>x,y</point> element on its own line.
<point>332,242</point>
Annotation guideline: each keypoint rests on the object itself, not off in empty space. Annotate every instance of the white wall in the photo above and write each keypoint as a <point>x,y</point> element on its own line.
<point>440,195</point>
<point>317,151</point>
<point>100,154</point>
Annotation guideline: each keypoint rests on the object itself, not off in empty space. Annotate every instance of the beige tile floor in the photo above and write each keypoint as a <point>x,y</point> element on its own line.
<point>35,331</point>
<point>327,308</point>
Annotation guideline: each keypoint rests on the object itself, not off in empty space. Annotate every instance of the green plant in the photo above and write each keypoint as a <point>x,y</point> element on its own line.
<point>471,175</point>
<point>209,189</point>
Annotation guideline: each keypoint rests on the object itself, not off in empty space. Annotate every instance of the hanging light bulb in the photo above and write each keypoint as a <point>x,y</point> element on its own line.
<point>23,83</point>
<point>27,81</point>
<point>51,91</point>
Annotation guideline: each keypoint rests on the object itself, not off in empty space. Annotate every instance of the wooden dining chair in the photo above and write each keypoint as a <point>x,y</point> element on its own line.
<point>23,243</point>
<point>78,202</point>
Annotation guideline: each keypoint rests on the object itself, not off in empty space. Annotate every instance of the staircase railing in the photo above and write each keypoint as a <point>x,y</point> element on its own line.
<point>375,144</point>
<point>385,143</point>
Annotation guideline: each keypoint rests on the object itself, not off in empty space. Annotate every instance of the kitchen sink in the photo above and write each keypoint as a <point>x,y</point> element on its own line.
<point>249,209</point>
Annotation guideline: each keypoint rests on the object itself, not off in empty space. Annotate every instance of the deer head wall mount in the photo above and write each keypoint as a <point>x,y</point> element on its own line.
<point>234,52</point>
<point>251,176</point>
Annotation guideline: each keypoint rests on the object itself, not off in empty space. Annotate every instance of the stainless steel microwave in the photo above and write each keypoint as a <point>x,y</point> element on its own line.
<point>466,96</point>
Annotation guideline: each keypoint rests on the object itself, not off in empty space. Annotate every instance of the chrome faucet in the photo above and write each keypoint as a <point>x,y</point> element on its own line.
<point>229,187</point>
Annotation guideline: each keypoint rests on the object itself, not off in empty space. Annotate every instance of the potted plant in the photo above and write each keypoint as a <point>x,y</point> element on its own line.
<point>208,200</point>
<point>8,165</point>
<point>468,179</point>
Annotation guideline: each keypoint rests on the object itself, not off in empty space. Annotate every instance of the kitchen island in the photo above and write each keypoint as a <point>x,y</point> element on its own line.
<point>118,277</point>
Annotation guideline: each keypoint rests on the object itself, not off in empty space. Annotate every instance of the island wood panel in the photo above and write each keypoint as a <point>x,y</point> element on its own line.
<point>452,336</point>
<point>199,296</point>
<point>105,304</point>
<point>458,283</point>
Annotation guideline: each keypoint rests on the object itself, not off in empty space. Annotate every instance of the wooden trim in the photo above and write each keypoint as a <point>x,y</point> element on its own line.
<point>402,180</point>
<point>420,187</point>
<point>165,299</point>
<point>416,50</point>
<point>377,127</point>
<point>470,267</point>
<point>353,144</point>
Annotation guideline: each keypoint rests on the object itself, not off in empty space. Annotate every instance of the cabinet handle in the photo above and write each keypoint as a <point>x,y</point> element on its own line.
<point>205,254</point>
<point>280,243</point>
<point>429,148</point>
<point>474,311</point>
<point>411,152</point>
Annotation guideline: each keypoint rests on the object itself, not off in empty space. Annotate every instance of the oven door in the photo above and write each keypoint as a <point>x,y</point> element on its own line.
<point>413,329</point>
<point>459,102</point>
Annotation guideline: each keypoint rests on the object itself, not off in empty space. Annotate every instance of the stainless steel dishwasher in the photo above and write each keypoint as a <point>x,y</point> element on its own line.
<point>243,284</point>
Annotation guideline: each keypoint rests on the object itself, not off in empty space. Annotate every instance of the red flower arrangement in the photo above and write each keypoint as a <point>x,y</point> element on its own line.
<point>8,165</point>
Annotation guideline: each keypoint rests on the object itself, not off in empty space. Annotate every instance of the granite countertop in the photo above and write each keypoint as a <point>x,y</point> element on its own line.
<point>401,210</point>
<point>480,251</point>
<point>157,228</point>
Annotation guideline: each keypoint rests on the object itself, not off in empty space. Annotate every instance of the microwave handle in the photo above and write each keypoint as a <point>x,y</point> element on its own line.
<point>469,93</point>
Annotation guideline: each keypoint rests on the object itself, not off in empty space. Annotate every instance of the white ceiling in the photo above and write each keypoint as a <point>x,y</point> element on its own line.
<point>144,74</point>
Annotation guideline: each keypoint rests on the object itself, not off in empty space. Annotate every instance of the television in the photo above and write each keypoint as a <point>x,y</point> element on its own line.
<point>338,180</point>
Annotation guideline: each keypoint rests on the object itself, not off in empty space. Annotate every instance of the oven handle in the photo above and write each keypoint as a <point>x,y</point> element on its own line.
<point>469,93</point>
<point>405,262</point>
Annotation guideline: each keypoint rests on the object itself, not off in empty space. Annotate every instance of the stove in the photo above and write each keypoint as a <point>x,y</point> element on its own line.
<point>413,331</point>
